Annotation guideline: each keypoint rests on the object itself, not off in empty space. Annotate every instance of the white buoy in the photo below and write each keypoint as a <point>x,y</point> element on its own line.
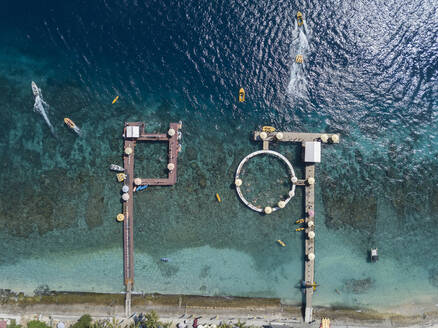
<point>263,135</point>
<point>125,188</point>
<point>279,135</point>
<point>294,180</point>
<point>281,204</point>
<point>137,181</point>
<point>310,224</point>
<point>170,166</point>
<point>128,150</point>
<point>238,182</point>
<point>335,138</point>
<point>171,132</point>
<point>125,197</point>
<point>311,235</point>
<point>311,181</point>
<point>268,210</point>
<point>311,256</point>
<point>291,193</point>
<point>324,138</point>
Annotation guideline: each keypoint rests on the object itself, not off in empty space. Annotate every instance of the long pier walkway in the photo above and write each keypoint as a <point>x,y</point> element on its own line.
<point>309,183</point>
<point>134,132</point>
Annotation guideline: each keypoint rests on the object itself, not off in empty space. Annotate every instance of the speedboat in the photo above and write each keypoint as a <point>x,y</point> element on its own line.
<point>241,95</point>
<point>40,106</point>
<point>268,128</point>
<point>374,257</point>
<point>69,123</point>
<point>72,125</point>
<point>117,168</point>
<point>36,91</point>
<point>300,18</point>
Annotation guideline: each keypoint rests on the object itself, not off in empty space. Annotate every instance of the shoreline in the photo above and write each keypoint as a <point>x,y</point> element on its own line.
<point>69,306</point>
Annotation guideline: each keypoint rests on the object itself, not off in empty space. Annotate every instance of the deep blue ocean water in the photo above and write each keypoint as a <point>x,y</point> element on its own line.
<point>369,74</point>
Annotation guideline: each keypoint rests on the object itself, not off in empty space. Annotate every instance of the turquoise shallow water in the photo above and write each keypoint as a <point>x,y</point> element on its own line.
<point>378,187</point>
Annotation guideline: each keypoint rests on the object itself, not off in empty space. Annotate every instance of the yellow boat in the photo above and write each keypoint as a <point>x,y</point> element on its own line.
<point>218,198</point>
<point>241,95</point>
<point>299,229</point>
<point>281,243</point>
<point>299,221</point>
<point>268,128</point>
<point>300,18</point>
<point>69,123</point>
<point>121,177</point>
<point>115,99</point>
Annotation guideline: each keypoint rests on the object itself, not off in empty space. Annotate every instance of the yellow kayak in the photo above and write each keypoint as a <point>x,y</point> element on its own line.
<point>299,221</point>
<point>115,99</point>
<point>218,198</point>
<point>299,229</point>
<point>281,243</point>
<point>241,95</point>
<point>268,128</point>
<point>300,18</point>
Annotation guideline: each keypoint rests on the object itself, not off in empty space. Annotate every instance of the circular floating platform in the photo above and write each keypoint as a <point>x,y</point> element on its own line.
<point>291,192</point>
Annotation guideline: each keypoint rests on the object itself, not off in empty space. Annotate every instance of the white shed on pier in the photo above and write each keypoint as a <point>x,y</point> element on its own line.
<point>312,152</point>
<point>132,131</point>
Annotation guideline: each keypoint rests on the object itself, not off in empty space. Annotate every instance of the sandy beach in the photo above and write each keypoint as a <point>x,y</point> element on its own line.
<point>68,307</point>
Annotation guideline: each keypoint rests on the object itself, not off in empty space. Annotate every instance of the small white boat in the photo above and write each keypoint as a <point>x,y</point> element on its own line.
<point>374,256</point>
<point>36,91</point>
<point>40,106</point>
<point>117,168</point>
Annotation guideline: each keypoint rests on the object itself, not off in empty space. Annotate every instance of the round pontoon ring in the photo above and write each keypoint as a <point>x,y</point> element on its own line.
<point>291,192</point>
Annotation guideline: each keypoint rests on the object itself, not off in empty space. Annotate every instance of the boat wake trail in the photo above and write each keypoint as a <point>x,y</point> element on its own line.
<point>77,130</point>
<point>39,104</point>
<point>297,86</point>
